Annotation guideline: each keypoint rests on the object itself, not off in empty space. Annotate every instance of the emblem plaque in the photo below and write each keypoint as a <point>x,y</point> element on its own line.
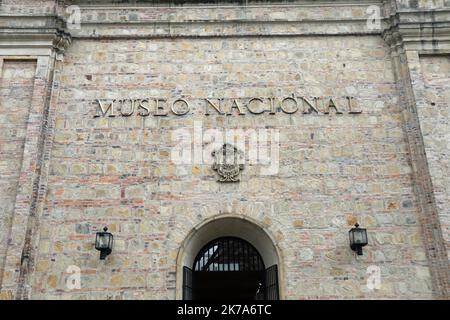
<point>228,163</point>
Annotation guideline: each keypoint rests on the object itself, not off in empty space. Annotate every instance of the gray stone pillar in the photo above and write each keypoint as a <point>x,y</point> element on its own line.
<point>40,39</point>
<point>414,35</point>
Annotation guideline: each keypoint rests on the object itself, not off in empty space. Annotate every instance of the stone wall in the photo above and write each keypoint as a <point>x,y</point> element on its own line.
<point>435,119</point>
<point>333,168</point>
<point>17,80</point>
<point>83,172</point>
<point>28,7</point>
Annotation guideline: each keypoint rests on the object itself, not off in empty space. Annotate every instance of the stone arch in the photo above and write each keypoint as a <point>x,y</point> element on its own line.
<point>230,225</point>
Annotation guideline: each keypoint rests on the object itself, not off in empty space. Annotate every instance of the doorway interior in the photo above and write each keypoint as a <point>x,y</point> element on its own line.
<point>229,268</point>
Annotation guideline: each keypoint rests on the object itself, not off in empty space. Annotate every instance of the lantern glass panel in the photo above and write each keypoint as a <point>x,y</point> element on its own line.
<point>358,236</point>
<point>352,236</point>
<point>111,238</point>
<point>103,240</point>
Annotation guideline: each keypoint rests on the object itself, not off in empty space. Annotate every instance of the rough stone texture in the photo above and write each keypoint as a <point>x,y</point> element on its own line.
<point>82,172</point>
<point>435,119</point>
<point>411,85</point>
<point>331,166</point>
<point>16,89</point>
<point>28,7</point>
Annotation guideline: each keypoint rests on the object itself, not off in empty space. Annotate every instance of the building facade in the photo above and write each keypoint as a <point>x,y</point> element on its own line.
<point>114,113</point>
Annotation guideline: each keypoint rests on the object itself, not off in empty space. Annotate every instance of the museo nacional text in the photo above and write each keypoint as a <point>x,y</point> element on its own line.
<point>220,106</point>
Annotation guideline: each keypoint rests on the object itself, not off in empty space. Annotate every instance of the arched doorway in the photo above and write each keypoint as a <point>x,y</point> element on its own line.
<point>228,258</point>
<point>228,267</point>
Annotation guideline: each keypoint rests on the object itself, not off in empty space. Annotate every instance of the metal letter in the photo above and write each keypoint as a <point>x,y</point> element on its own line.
<point>180,113</point>
<point>218,109</point>
<point>103,111</point>
<point>159,108</point>
<point>310,106</point>
<point>273,109</point>
<point>253,111</point>
<point>143,107</point>
<point>286,111</point>
<point>122,103</point>
<point>331,104</point>
<point>351,106</point>
<point>235,104</point>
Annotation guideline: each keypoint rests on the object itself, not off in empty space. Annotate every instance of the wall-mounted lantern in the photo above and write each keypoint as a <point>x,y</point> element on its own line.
<point>358,239</point>
<point>104,243</point>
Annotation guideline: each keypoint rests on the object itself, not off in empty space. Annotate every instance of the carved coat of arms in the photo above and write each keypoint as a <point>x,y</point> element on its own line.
<point>228,163</point>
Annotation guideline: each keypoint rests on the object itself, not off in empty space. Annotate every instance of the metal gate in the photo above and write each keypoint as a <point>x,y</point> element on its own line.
<point>230,254</point>
<point>271,283</point>
<point>187,284</point>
